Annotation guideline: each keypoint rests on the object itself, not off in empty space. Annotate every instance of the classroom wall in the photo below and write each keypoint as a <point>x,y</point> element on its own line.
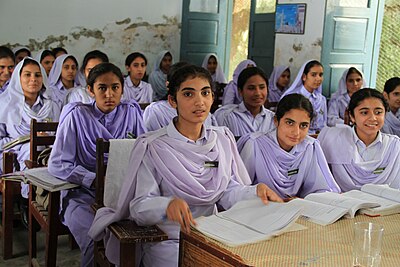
<point>295,49</point>
<point>114,27</point>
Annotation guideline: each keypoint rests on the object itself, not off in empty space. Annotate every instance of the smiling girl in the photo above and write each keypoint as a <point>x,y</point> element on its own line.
<point>181,171</point>
<point>362,154</point>
<point>73,157</point>
<point>309,83</point>
<point>286,159</point>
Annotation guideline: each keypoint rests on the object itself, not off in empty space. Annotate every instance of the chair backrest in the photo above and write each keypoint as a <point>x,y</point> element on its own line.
<point>38,140</point>
<point>102,148</point>
<point>143,106</point>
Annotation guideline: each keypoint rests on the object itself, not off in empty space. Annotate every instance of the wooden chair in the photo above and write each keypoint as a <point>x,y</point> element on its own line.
<point>48,219</point>
<point>219,92</point>
<point>143,106</point>
<point>11,191</point>
<point>127,232</point>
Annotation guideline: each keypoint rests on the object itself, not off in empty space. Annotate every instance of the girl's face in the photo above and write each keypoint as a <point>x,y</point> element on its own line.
<point>6,69</point>
<point>292,128</point>
<point>393,99</point>
<point>47,62</point>
<point>354,82</point>
<point>20,56</point>
<point>166,63</point>
<point>68,71</point>
<point>193,101</point>
<point>137,69</point>
<point>212,65</point>
<point>283,80</point>
<point>93,62</point>
<point>31,80</point>
<point>107,91</point>
<point>254,92</point>
<point>314,78</point>
<point>369,117</point>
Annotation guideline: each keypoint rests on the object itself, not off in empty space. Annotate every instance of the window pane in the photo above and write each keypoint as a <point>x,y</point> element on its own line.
<point>353,3</point>
<point>203,6</point>
<point>265,6</point>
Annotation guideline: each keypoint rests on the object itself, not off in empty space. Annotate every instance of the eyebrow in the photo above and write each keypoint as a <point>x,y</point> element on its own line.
<point>368,108</point>
<point>192,89</point>
<point>104,84</point>
<point>291,120</point>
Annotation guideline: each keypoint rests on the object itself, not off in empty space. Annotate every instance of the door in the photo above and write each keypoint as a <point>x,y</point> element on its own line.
<point>206,29</point>
<point>262,34</point>
<point>351,38</point>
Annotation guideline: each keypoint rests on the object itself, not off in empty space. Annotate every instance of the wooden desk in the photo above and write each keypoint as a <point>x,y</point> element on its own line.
<point>316,246</point>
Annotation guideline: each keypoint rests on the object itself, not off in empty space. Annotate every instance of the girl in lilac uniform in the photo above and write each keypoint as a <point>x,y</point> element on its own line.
<point>391,92</point>
<point>73,157</point>
<point>278,83</point>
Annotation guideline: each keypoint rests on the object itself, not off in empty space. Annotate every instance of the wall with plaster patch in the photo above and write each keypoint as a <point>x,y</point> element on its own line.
<point>114,27</point>
<point>295,49</point>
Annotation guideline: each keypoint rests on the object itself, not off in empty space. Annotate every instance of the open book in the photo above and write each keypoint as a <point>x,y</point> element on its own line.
<point>326,208</point>
<point>40,177</point>
<point>19,140</point>
<point>388,198</point>
<point>250,221</point>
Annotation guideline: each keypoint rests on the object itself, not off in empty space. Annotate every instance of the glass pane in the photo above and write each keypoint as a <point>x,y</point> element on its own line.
<point>204,6</point>
<point>265,6</point>
<point>353,3</point>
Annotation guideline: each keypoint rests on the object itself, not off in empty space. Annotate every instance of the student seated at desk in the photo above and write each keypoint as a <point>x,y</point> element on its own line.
<point>46,59</point>
<point>391,92</point>
<point>211,63</point>
<point>309,83</point>
<point>278,83</point>
<point>250,115</point>
<point>181,172</point>
<point>73,157</point>
<point>7,65</point>
<point>351,81</point>
<point>361,154</point>
<point>286,159</point>
<point>160,113</point>
<point>158,76</point>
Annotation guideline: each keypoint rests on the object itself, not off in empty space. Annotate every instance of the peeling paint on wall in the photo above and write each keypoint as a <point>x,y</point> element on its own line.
<point>317,42</point>
<point>297,47</point>
<point>117,39</point>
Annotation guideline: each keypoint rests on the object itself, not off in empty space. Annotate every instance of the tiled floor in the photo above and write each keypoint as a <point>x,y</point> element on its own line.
<point>65,256</point>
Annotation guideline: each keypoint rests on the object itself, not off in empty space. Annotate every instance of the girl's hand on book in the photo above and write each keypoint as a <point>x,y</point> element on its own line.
<point>266,193</point>
<point>178,211</point>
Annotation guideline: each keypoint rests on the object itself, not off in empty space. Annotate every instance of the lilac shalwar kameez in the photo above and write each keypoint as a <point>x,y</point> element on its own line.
<point>219,75</point>
<point>316,98</point>
<point>59,91</point>
<point>158,78</point>
<point>159,114</point>
<point>16,115</point>
<point>240,121</point>
<point>78,94</point>
<point>166,165</point>
<point>143,93</point>
<point>339,101</point>
<point>353,164</point>
<point>4,87</point>
<point>299,172</point>
<point>231,92</point>
<point>274,92</point>
<point>392,123</point>
<point>73,159</point>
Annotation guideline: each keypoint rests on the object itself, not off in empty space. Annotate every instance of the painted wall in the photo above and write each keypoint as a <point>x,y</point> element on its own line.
<point>114,27</point>
<point>295,49</point>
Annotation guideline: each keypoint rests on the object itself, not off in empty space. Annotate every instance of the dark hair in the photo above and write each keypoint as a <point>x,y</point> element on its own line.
<point>29,61</point>
<point>91,55</point>
<point>6,52</point>
<point>59,49</point>
<point>101,69</point>
<point>363,94</point>
<point>391,84</point>
<point>249,72</point>
<point>131,57</point>
<point>184,73</point>
<point>46,53</point>
<point>294,101</point>
<point>171,71</point>
<point>311,64</point>
<point>212,56</point>
<point>73,58</point>
<point>353,70</point>
<point>23,50</point>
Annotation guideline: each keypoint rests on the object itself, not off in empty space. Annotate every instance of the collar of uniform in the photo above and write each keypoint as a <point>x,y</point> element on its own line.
<point>274,136</point>
<point>130,83</point>
<point>100,115</point>
<point>306,93</point>
<point>359,143</point>
<point>38,104</point>
<point>242,108</point>
<point>174,133</point>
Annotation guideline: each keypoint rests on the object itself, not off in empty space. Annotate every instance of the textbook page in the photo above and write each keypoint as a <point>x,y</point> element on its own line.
<point>19,140</point>
<point>42,178</point>
<point>249,221</point>
<point>387,206</point>
<point>382,190</point>
<point>340,200</point>
<point>319,213</point>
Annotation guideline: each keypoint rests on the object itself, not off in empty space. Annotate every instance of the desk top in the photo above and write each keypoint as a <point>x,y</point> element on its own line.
<point>318,245</point>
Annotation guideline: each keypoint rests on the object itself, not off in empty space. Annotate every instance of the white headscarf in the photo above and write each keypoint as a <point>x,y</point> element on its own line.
<point>15,96</point>
<point>219,75</point>
<point>342,89</point>
<point>298,82</point>
<point>273,91</point>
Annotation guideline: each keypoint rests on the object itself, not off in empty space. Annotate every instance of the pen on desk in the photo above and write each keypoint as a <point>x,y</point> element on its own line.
<point>288,198</point>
